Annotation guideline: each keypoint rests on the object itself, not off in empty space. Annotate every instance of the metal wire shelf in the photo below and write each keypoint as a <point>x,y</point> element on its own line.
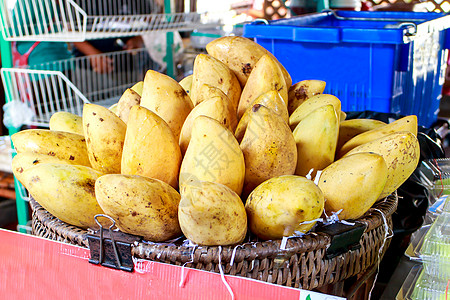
<point>65,85</point>
<point>71,21</point>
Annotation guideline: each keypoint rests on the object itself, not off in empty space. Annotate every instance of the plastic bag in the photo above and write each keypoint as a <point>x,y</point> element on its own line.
<point>17,113</point>
<point>155,42</point>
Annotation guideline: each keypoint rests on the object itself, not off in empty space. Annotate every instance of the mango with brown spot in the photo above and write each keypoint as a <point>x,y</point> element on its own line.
<point>63,145</point>
<point>141,206</point>
<point>211,214</point>
<point>66,191</point>
<point>23,161</point>
<point>150,148</point>
<point>208,70</point>
<point>266,76</point>
<point>407,123</point>
<point>241,55</point>
<point>166,97</point>
<point>302,91</point>
<point>283,206</point>
<point>401,151</point>
<point>105,136</point>
<point>268,146</point>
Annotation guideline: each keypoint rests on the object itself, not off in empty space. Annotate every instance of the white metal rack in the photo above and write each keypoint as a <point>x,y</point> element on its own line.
<point>65,85</point>
<point>69,20</point>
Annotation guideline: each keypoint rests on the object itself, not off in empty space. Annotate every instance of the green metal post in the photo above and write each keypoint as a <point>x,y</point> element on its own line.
<point>322,4</point>
<point>21,204</point>
<point>169,43</point>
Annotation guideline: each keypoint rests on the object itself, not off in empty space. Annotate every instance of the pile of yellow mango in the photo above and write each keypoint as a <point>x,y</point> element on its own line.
<point>232,148</point>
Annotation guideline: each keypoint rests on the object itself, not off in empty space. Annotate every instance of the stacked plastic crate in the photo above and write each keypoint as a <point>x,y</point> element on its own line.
<point>380,61</point>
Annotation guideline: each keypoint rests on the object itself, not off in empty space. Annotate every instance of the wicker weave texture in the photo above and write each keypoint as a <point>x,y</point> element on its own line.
<point>301,265</point>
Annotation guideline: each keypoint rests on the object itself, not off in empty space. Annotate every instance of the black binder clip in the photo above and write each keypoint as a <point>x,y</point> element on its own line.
<point>344,237</point>
<point>111,248</point>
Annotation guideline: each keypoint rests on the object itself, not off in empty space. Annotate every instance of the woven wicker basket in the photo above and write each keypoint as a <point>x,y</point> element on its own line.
<point>302,265</point>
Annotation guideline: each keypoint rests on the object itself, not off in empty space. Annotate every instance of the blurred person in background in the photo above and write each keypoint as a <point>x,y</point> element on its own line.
<point>111,61</point>
<point>105,64</point>
<point>97,72</point>
<point>26,20</point>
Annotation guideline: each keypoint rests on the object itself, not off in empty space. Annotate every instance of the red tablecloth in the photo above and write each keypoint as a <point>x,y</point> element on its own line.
<point>37,268</point>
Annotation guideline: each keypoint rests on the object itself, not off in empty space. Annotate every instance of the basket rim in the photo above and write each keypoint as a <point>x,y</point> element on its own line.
<point>312,241</point>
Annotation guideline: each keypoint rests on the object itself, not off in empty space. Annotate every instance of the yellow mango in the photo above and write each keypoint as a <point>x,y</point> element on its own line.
<point>186,83</point>
<point>266,76</point>
<point>271,100</point>
<point>213,155</point>
<point>65,191</point>
<point>268,146</point>
<point>206,92</point>
<point>401,152</point>
<point>150,148</point>
<point>208,70</point>
<point>138,87</point>
<point>351,128</point>
<point>217,108</point>
<point>23,161</point>
<point>141,206</point>
<point>66,121</point>
<point>113,108</point>
<point>408,123</point>
<point>316,138</point>
<point>165,97</point>
<point>303,90</point>
<point>211,214</point>
<point>241,55</point>
<point>128,99</point>
<point>105,136</point>
<point>342,116</point>
<point>283,206</point>
<point>353,184</point>
<point>64,145</point>
<point>312,104</point>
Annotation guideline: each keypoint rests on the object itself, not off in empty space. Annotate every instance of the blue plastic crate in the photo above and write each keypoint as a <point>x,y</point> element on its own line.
<point>380,61</point>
